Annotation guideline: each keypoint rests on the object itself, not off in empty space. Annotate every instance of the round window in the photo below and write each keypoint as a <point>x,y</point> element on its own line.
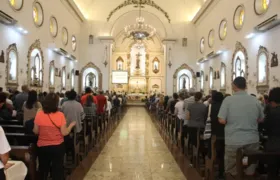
<point>211,38</point>
<point>53,26</point>
<point>202,45</point>
<point>64,36</point>
<point>223,29</point>
<point>16,4</point>
<point>261,6</point>
<point>238,18</point>
<point>38,14</point>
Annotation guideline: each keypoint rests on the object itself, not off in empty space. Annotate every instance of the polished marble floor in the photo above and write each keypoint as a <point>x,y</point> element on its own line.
<point>135,151</point>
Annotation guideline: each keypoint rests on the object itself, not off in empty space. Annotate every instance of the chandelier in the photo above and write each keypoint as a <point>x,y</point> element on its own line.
<point>140,30</point>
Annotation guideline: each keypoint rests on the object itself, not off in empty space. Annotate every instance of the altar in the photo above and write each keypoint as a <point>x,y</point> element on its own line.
<point>136,97</point>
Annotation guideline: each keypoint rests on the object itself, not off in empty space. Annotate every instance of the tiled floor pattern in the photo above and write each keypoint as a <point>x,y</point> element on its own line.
<point>135,151</point>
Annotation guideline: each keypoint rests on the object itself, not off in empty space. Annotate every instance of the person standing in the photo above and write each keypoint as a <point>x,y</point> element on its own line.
<point>73,111</point>
<point>196,116</point>
<point>21,98</point>
<point>50,125</point>
<point>240,114</point>
<point>4,153</point>
<point>218,130</point>
<point>88,92</point>
<point>272,124</point>
<point>102,103</point>
<point>31,106</point>
<point>181,115</point>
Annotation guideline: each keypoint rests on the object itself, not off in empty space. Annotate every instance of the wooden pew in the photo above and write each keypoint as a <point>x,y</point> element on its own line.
<point>21,139</point>
<point>209,162</point>
<point>10,122</point>
<point>197,150</point>
<point>84,138</point>
<point>253,157</point>
<point>28,155</point>
<point>14,128</point>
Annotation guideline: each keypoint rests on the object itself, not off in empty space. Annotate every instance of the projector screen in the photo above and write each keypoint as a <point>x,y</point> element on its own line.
<point>119,77</point>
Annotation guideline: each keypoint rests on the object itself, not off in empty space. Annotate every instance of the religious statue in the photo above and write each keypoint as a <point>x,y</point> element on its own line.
<point>138,61</point>
<point>2,58</point>
<point>274,60</point>
<point>156,68</point>
<point>120,67</point>
<point>90,83</point>
<point>184,83</point>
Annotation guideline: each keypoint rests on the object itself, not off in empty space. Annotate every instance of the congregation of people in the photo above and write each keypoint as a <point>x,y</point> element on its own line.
<point>240,120</point>
<point>52,117</point>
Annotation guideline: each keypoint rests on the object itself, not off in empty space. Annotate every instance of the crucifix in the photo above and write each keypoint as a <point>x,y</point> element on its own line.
<point>138,60</point>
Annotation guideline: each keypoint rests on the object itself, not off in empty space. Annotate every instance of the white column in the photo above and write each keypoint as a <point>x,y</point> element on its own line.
<point>106,75</point>
<point>169,45</point>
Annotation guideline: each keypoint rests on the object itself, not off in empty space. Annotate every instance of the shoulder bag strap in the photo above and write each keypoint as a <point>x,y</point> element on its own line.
<point>53,122</point>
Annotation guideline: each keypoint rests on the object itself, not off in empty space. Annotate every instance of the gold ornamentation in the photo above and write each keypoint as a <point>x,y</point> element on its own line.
<point>35,45</point>
<point>155,86</point>
<point>11,84</point>
<point>51,86</point>
<point>91,65</point>
<point>240,47</point>
<point>183,66</point>
<point>137,2</point>
<point>263,87</point>
<point>223,66</point>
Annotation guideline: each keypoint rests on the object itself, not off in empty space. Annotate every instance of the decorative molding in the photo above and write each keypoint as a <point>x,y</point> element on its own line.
<point>156,70</point>
<point>202,11</point>
<point>11,84</point>
<point>74,10</point>
<point>187,67</point>
<point>240,47</point>
<point>52,87</point>
<point>91,65</point>
<point>223,65</point>
<point>155,86</point>
<point>35,45</point>
<point>138,2</point>
<point>263,87</point>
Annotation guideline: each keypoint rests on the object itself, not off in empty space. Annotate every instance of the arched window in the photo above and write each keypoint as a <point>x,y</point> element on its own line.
<point>202,80</point>
<point>211,78</point>
<point>239,62</point>
<point>223,76</point>
<point>263,70</point>
<point>63,78</point>
<point>72,79</point>
<point>119,63</point>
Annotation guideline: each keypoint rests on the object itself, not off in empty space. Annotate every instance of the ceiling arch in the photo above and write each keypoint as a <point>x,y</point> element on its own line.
<point>177,10</point>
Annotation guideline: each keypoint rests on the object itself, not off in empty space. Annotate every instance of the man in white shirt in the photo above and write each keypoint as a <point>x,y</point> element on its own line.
<point>181,114</point>
<point>4,152</point>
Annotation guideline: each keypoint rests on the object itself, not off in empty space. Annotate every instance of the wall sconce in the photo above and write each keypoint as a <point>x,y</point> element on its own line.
<point>105,57</point>
<point>169,64</point>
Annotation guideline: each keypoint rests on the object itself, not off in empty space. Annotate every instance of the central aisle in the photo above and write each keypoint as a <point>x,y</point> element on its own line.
<point>135,151</point>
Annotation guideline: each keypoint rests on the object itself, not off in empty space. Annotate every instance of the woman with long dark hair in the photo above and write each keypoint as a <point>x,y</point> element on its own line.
<point>50,125</point>
<point>31,106</point>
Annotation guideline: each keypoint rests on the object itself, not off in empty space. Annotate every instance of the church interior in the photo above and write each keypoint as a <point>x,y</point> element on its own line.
<point>137,53</point>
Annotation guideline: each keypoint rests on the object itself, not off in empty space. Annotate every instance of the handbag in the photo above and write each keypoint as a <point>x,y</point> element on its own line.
<point>207,131</point>
<point>53,122</point>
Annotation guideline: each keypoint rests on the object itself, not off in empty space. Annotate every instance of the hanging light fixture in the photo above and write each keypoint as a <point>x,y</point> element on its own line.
<point>140,30</point>
<point>105,57</point>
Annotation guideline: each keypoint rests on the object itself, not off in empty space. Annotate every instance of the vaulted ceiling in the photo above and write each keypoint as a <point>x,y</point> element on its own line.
<point>108,10</point>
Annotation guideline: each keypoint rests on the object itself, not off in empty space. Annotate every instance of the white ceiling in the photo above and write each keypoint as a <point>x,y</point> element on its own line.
<point>178,10</point>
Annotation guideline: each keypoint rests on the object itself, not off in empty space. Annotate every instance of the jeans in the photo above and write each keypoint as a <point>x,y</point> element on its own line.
<point>51,157</point>
<point>230,158</point>
<point>2,174</point>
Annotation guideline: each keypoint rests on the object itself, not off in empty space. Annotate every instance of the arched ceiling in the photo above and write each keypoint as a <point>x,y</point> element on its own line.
<point>173,10</point>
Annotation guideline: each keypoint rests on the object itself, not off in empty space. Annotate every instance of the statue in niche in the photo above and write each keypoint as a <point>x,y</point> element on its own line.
<point>90,83</point>
<point>274,60</point>
<point>184,83</point>
<point>138,61</point>
<point>215,75</point>
<point>2,58</point>
<point>156,68</point>
<point>218,74</point>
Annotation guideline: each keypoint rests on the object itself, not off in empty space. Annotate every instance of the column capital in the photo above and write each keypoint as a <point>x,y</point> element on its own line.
<point>106,39</point>
<point>169,41</point>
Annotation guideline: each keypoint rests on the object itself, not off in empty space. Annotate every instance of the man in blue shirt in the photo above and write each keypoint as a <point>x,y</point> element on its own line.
<point>240,113</point>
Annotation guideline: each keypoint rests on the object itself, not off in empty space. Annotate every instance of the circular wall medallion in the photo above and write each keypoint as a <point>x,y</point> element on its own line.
<point>261,6</point>
<point>53,26</point>
<point>211,38</point>
<point>223,29</point>
<point>16,4</point>
<point>239,16</point>
<point>74,43</point>
<point>38,14</point>
<point>64,36</point>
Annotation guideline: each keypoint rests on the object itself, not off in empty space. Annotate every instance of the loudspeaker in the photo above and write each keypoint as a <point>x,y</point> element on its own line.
<point>198,74</point>
<point>77,73</point>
